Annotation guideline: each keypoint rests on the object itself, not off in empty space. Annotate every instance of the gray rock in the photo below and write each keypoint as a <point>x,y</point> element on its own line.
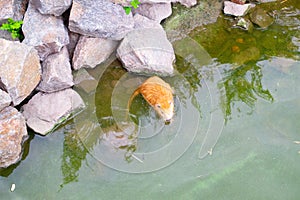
<point>187,3</point>
<point>100,18</point>
<point>20,69</point>
<point>46,33</point>
<point>144,22</point>
<point>5,99</point>
<point>52,7</point>
<point>154,55</point>
<point>235,9</point>
<point>12,9</point>
<point>244,24</point>
<point>13,133</point>
<point>46,110</point>
<point>57,73</point>
<point>90,52</point>
<point>156,12</point>
<point>261,18</point>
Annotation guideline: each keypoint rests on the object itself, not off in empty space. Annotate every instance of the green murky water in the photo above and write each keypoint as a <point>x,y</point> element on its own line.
<point>234,135</point>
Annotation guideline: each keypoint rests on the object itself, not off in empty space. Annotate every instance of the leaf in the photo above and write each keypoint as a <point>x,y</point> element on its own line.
<point>127,9</point>
<point>135,3</point>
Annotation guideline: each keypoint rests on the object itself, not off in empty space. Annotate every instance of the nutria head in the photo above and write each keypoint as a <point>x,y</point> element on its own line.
<point>160,98</point>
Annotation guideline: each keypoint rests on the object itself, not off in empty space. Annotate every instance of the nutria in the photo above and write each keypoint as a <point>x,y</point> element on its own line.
<point>159,95</point>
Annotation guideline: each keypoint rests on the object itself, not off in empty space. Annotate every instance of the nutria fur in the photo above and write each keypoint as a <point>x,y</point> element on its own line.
<point>159,95</point>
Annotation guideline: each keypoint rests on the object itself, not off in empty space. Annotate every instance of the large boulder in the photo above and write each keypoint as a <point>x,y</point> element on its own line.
<point>141,22</point>
<point>46,33</point>
<point>100,18</point>
<point>20,69</point>
<point>13,133</point>
<point>156,12</point>
<point>44,111</point>
<point>57,73</point>
<point>90,52</point>
<point>154,55</point>
<point>5,100</point>
<point>52,7</point>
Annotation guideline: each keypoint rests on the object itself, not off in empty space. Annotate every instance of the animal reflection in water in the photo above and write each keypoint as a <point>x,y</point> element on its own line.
<point>159,95</point>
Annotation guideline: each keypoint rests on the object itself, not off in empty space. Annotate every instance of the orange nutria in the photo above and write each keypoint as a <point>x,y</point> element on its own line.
<point>159,95</point>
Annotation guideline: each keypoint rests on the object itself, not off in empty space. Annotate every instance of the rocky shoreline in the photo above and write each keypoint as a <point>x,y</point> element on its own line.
<point>60,38</point>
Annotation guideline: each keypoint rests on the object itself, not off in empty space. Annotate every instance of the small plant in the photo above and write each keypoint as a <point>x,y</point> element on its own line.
<point>14,27</point>
<point>133,4</point>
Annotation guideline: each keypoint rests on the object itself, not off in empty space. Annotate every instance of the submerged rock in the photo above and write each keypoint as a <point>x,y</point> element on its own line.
<point>5,100</point>
<point>57,73</point>
<point>235,9</point>
<point>13,133</point>
<point>154,55</point>
<point>90,52</point>
<point>184,20</point>
<point>46,110</point>
<point>46,33</point>
<point>101,19</point>
<point>20,69</point>
<point>52,7</point>
<point>249,54</point>
<point>261,18</point>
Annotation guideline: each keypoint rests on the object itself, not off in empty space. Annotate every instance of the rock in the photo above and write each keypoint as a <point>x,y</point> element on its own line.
<point>46,33</point>
<point>46,110</point>
<point>84,81</point>
<point>101,19</point>
<point>244,24</point>
<point>144,22</point>
<point>12,9</point>
<point>187,3</point>
<point>154,55</point>
<point>13,133</point>
<point>5,100</point>
<point>57,73</point>
<point>90,52</point>
<point>52,7</point>
<point>261,18</point>
<point>20,69</point>
<point>234,9</point>
<point>156,12</point>
<point>205,12</point>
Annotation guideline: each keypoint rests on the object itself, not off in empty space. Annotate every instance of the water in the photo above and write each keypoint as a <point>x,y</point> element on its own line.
<point>235,134</point>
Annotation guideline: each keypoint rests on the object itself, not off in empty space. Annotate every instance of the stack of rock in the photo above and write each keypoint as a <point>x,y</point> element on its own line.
<point>62,36</point>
